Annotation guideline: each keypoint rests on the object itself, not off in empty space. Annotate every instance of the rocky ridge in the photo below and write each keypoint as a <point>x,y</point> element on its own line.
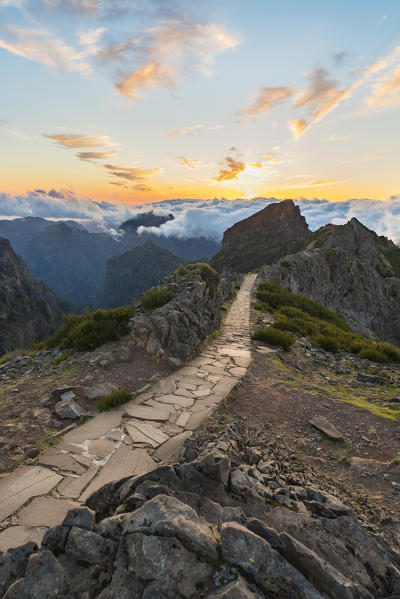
<point>352,271</point>
<point>178,328</point>
<point>263,238</point>
<point>236,516</point>
<point>29,311</point>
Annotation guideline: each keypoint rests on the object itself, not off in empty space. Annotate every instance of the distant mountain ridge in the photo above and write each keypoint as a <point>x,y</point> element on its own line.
<point>129,274</point>
<point>72,261</point>
<point>29,311</point>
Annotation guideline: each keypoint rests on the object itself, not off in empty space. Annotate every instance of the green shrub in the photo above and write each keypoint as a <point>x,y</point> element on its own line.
<point>285,263</point>
<point>155,298</point>
<point>207,273</point>
<point>327,343</point>
<point>275,337</point>
<point>373,354</point>
<point>85,332</point>
<point>115,398</point>
<point>298,314</point>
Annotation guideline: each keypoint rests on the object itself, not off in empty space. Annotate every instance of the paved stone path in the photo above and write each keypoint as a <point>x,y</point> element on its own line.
<point>129,440</point>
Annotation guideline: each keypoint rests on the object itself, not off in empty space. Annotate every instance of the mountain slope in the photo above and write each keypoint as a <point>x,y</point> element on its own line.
<point>135,271</point>
<point>29,311</point>
<point>262,238</point>
<point>352,271</point>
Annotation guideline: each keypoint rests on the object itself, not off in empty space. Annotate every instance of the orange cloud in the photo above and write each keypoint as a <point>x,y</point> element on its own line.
<point>386,92</point>
<point>175,47</point>
<point>86,140</point>
<point>195,130</point>
<point>268,97</point>
<point>298,127</point>
<point>322,94</point>
<point>137,176</point>
<point>230,170</point>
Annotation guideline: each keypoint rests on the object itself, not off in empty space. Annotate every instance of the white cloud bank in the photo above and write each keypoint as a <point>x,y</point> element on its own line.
<point>195,218</point>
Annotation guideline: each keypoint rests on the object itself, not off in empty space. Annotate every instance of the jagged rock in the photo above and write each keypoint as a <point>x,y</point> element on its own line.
<point>161,535</point>
<point>168,516</point>
<point>82,517</point>
<point>68,408</point>
<point>237,589</point>
<point>13,564</point>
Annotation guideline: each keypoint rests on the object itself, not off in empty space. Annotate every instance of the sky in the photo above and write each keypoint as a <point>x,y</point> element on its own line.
<point>125,103</point>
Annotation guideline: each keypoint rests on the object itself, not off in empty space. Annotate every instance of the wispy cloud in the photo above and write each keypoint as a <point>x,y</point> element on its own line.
<point>138,176</point>
<point>81,140</point>
<point>298,127</point>
<point>167,51</point>
<point>322,94</point>
<point>92,36</point>
<point>266,98</point>
<point>90,156</point>
<point>195,130</point>
<point>42,46</point>
<point>386,91</point>
<point>188,162</point>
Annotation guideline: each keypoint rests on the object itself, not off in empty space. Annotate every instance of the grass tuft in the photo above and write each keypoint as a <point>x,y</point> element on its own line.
<point>207,273</point>
<point>115,398</point>
<point>275,337</point>
<point>155,298</point>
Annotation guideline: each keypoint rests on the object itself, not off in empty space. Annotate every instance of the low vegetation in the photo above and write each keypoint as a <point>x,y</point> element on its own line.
<point>275,337</point>
<point>85,332</point>
<point>115,398</point>
<point>298,314</point>
<point>155,298</point>
<point>207,273</point>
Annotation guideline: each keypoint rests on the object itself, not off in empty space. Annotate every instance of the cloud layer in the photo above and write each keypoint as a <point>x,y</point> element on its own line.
<point>194,218</point>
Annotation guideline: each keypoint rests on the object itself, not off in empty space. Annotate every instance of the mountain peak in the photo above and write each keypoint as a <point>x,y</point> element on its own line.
<point>263,237</point>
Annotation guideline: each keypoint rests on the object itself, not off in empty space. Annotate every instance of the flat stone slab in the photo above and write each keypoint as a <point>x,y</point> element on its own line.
<point>101,448</point>
<point>179,400</point>
<point>73,487</point>
<point>169,449</point>
<point>124,462</point>
<point>46,511</point>
<point>238,371</point>
<point>62,461</point>
<point>329,429</point>
<point>147,412</point>
<point>149,430</point>
<point>23,484</point>
<point>197,418</point>
<point>182,419</point>
<point>165,385</point>
<point>14,536</point>
<point>93,429</point>
<point>224,386</point>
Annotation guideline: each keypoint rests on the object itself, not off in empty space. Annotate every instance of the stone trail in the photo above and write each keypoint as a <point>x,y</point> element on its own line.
<point>130,440</point>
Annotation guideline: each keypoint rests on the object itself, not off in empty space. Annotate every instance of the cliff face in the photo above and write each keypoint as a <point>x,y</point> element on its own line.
<point>352,271</point>
<point>29,311</point>
<point>135,271</point>
<point>263,238</point>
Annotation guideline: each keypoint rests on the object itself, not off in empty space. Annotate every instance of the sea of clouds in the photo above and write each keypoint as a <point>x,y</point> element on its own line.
<point>195,218</point>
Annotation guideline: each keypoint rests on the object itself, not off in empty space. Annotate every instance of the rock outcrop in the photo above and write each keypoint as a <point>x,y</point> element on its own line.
<point>178,328</point>
<point>29,311</point>
<point>129,274</point>
<point>263,238</point>
<point>234,517</point>
<point>352,271</point>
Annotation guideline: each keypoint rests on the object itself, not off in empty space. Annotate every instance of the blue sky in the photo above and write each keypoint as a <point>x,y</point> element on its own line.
<point>134,102</point>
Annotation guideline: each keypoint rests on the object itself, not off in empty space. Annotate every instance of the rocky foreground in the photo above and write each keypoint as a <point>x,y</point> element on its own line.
<point>235,517</point>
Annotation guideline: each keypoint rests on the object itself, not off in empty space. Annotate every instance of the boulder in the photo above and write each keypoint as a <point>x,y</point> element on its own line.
<point>68,408</point>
